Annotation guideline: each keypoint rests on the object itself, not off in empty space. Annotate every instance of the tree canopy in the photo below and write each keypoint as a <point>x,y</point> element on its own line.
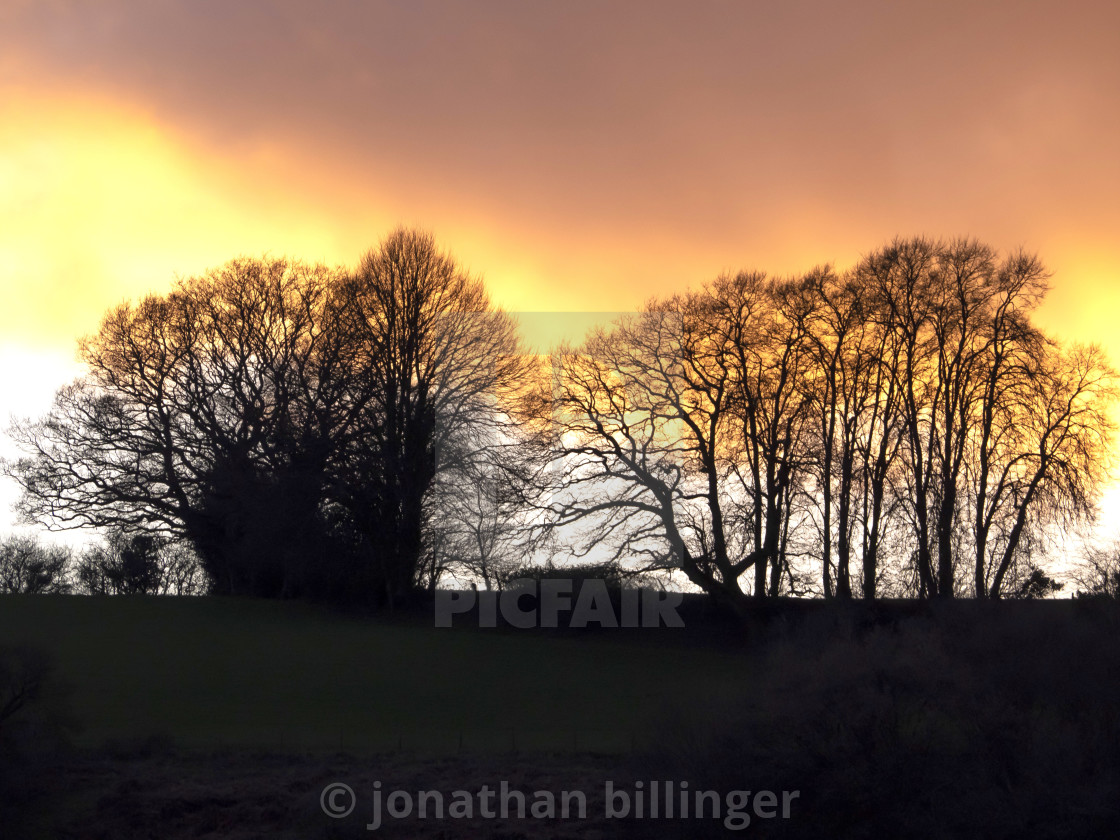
<point>285,420</point>
<point>900,427</point>
<point>904,418</point>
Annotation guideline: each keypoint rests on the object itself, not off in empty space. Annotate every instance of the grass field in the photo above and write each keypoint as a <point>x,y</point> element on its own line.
<point>213,673</point>
<point>228,718</point>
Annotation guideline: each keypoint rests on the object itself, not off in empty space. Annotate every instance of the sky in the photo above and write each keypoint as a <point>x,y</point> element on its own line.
<point>580,156</point>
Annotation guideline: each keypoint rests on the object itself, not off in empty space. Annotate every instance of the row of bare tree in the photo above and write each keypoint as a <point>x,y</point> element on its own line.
<point>122,564</point>
<point>900,428</point>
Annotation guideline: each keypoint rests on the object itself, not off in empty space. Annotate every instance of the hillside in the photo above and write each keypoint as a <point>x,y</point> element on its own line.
<point>213,672</point>
<point>232,718</point>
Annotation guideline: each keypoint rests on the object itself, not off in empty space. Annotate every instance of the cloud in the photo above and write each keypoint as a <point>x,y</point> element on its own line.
<point>99,203</point>
<point>581,155</point>
<point>588,114</point>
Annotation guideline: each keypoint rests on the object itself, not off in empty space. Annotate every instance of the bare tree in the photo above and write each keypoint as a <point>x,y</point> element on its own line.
<point>854,399</point>
<point>139,564</point>
<point>881,434</point>
<point>986,398</point>
<point>677,434</point>
<point>1097,572</point>
<point>1003,423</point>
<point>1063,454</point>
<point>209,414</point>
<point>287,421</point>
<point>480,522</point>
<point>629,426</point>
<point>437,358</point>
<point>29,567</point>
<point>763,326</point>
<point>318,432</point>
<point>906,415</point>
<point>904,275</point>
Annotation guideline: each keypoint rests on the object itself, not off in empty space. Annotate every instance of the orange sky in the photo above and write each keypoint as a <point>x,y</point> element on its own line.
<point>580,155</point>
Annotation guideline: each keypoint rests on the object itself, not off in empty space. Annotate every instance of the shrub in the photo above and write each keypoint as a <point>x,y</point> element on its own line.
<point>35,725</point>
<point>967,724</point>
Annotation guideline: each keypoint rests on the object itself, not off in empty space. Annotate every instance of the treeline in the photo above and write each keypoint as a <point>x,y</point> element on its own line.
<point>121,564</point>
<point>900,428</point>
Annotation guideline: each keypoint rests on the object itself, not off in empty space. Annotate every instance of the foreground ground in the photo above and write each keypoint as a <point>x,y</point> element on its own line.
<point>218,718</point>
<point>215,673</point>
<point>155,793</point>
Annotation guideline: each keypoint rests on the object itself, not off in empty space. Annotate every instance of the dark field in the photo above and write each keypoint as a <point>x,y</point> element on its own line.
<point>216,673</point>
<point>224,718</point>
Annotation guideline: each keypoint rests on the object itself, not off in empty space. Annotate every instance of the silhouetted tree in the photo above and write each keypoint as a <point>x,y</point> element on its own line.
<point>479,523</point>
<point>29,567</point>
<point>284,420</point>
<point>763,324</point>
<point>905,415</point>
<point>1060,454</point>
<point>1097,573</point>
<point>208,414</point>
<point>854,429</point>
<point>986,402</point>
<point>352,434</point>
<point>139,563</point>
<point>1037,584</point>
<point>904,274</point>
<point>435,358</point>
<point>131,567</point>
<point>679,433</point>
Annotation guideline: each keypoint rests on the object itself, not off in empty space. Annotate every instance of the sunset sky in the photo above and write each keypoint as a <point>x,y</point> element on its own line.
<point>580,156</point>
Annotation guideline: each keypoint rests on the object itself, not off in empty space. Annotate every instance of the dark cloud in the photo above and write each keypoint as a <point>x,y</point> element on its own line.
<point>706,118</point>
